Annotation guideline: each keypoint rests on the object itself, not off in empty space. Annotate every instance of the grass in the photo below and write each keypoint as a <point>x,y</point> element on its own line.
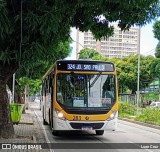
<point>147,115</point>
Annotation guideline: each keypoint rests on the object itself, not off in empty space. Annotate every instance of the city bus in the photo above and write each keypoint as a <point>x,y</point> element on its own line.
<point>80,95</point>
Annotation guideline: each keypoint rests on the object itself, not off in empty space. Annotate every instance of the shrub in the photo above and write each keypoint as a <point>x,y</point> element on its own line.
<point>149,115</point>
<point>126,108</point>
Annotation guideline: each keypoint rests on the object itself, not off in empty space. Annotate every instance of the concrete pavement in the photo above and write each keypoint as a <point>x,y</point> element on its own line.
<point>27,132</point>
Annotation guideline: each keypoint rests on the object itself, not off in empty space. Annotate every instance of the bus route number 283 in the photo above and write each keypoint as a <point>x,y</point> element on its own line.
<point>76,118</point>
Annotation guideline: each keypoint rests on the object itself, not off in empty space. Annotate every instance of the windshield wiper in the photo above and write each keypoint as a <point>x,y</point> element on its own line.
<point>96,78</point>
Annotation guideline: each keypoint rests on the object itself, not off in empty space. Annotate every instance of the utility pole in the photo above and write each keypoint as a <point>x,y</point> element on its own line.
<point>13,87</point>
<point>138,72</point>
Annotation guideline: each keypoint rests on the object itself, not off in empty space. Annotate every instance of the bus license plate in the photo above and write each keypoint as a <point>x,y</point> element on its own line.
<point>87,128</point>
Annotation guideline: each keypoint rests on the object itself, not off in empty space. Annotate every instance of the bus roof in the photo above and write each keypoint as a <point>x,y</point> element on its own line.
<point>84,60</point>
<point>49,71</point>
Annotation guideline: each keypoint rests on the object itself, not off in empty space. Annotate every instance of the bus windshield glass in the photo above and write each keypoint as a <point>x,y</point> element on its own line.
<point>85,90</point>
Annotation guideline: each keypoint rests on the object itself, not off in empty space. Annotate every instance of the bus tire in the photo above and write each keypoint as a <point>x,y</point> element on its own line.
<point>99,132</point>
<point>55,133</point>
<point>49,118</point>
<point>40,105</point>
<point>44,121</point>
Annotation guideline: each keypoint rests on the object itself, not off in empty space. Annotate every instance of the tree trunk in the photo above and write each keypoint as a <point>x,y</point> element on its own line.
<point>6,125</point>
<point>17,96</point>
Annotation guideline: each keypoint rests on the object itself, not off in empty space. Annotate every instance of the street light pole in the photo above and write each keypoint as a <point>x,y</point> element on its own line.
<point>138,73</point>
<point>138,80</point>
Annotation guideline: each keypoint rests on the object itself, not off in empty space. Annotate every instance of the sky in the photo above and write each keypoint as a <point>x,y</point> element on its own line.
<point>147,41</point>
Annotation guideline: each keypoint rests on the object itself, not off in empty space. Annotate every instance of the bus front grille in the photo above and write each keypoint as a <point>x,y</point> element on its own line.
<point>86,111</point>
<point>80,125</point>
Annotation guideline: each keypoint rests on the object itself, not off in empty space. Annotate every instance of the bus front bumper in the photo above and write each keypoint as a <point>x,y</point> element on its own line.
<point>60,124</point>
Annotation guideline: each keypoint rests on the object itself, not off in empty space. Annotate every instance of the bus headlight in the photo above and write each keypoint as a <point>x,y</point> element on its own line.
<point>60,114</point>
<point>112,116</point>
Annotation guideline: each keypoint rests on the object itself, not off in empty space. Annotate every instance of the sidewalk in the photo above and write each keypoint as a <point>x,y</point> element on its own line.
<point>27,131</point>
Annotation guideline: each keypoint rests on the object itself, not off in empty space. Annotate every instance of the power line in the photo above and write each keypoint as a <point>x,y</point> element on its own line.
<point>151,50</point>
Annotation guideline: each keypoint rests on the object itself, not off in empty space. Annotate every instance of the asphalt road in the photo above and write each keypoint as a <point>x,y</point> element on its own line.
<point>138,138</point>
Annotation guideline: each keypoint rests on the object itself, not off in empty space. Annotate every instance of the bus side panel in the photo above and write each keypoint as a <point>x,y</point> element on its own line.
<point>48,105</point>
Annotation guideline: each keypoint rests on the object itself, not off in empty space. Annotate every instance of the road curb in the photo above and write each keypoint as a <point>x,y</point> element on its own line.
<point>141,123</point>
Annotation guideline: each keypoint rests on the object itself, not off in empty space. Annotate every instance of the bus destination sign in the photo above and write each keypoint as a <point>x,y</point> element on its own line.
<point>86,67</point>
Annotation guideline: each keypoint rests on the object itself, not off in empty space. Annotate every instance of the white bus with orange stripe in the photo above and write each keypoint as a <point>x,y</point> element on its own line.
<point>80,95</point>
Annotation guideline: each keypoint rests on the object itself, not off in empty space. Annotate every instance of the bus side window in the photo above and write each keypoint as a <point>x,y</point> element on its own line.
<point>50,85</point>
<point>59,92</point>
<point>45,87</point>
<point>108,88</point>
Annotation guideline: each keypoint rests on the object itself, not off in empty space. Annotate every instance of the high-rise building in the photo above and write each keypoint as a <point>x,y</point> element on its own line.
<point>121,44</point>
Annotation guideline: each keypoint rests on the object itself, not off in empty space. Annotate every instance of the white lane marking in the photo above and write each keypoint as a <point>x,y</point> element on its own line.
<point>45,134</point>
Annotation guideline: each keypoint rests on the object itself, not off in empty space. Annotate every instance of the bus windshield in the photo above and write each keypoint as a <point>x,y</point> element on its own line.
<point>85,90</point>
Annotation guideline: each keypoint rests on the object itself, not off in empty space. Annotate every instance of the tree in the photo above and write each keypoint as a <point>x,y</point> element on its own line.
<point>155,68</point>
<point>31,73</point>
<point>87,53</point>
<point>157,54</point>
<point>156,31</point>
<point>128,72</point>
<point>29,30</point>
<point>34,85</point>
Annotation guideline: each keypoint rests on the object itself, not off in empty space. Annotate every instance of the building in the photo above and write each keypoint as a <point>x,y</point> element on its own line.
<point>121,44</point>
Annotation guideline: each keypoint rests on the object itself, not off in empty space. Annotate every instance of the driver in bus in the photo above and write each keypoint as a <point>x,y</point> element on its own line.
<point>59,93</point>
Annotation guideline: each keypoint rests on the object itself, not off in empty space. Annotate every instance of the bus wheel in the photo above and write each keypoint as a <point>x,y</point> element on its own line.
<point>49,118</point>
<point>44,121</point>
<point>99,132</point>
<point>55,133</point>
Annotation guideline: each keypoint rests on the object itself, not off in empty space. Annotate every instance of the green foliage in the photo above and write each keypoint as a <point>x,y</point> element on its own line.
<point>157,54</point>
<point>155,67</point>
<point>87,53</point>
<point>35,68</point>
<point>149,115</point>
<point>127,13</point>
<point>5,24</point>
<point>127,72</point>
<point>153,95</point>
<point>46,23</point>
<point>126,108</point>
<point>6,57</point>
<point>156,30</point>
<point>34,85</point>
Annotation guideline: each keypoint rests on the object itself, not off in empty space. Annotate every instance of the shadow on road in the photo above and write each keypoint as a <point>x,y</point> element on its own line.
<point>77,136</point>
